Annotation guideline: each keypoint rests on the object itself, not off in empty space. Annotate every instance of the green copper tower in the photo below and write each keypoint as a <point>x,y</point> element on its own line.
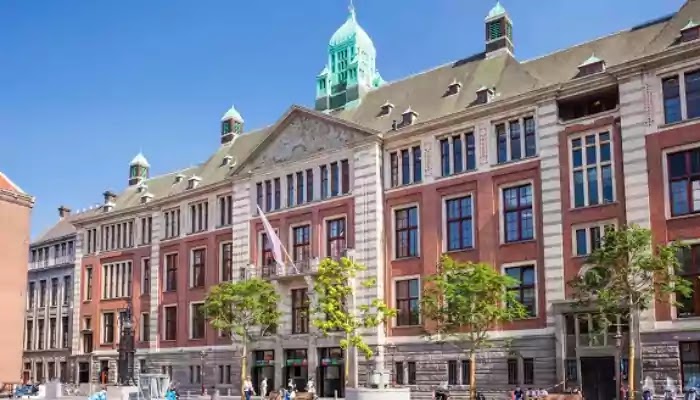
<point>351,70</point>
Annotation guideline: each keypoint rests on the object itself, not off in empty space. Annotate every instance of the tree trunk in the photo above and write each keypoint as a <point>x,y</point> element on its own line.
<point>347,361</point>
<point>244,365</point>
<point>631,381</point>
<point>472,375</point>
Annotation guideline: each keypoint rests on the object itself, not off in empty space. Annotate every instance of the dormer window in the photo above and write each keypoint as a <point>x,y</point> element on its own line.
<point>142,188</point>
<point>146,197</point>
<point>193,182</point>
<point>690,31</point>
<point>454,88</point>
<point>484,95</point>
<point>386,108</point>
<point>179,178</point>
<point>226,160</point>
<point>592,65</point>
<point>409,117</point>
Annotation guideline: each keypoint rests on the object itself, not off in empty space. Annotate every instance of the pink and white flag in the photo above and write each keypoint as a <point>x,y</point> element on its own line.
<point>275,241</point>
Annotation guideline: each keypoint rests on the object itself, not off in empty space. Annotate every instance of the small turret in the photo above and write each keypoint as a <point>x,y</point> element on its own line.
<point>138,169</point>
<point>231,125</point>
<point>499,30</point>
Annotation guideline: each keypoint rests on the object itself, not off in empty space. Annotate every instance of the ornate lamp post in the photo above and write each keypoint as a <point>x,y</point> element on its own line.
<point>618,361</point>
<point>126,347</point>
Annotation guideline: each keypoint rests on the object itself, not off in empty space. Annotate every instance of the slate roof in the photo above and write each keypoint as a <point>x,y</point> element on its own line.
<point>62,228</point>
<point>425,93</point>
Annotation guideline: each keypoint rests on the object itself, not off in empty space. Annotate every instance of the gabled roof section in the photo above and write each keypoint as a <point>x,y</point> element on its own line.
<point>7,184</point>
<point>64,227</point>
<point>295,114</point>
<point>672,28</point>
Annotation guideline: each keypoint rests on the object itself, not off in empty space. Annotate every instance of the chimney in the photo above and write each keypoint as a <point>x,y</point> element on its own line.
<point>109,200</point>
<point>63,211</point>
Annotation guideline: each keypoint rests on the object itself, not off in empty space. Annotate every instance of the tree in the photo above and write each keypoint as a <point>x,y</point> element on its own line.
<point>624,275</point>
<point>334,287</point>
<point>465,300</point>
<point>240,308</point>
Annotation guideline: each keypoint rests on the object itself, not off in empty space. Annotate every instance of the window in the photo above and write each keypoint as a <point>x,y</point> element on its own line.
<point>42,293</point>
<point>689,259</point>
<point>518,217</point>
<point>108,328</point>
<point>300,187</point>
<point>528,371</point>
<point>690,362</point>
<point>406,234</point>
<point>171,219</point>
<point>459,223</point>
<point>592,170</point>
<point>118,236</point>
<point>40,340</point>
<point>30,295</point>
<point>399,372</point>
<point>335,238</point>
<point>301,243</point>
<point>54,292</point>
<point>52,333</point>
<point>466,371</point>
<point>344,177</point>
<point>453,148</point>
<point>198,265</point>
<point>67,289</point>
<point>170,322</point>
<point>407,300</point>
<point>452,372</point>
<point>524,289</point>
<point>259,195</point>
<point>410,162</point>
<point>290,190</point>
<point>91,240</point>
<point>197,321</point>
<point>411,372</point>
<point>116,280</point>
<point>145,327</point>
<point>278,194</point>
<point>268,196</point>
<point>146,276</point>
<point>88,283</point>
<point>679,89</point>
<point>684,182</point>
<point>512,371</point>
<point>300,311</point>
<point>29,335</point>
<point>324,182</point>
<point>226,261</point>
<point>267,257</point>
<point>309,185</point>
<point>199,216</point>
<point>225,210</point>
<point>516,140</point>
<point>335,178</point>
<point>588,239</point>
<point>170,272</point>
<point>146,231</point>
<point>692,94</point>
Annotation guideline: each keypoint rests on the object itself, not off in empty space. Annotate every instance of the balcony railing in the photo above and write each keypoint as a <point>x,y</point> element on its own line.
<point>298,268</point>
<point>52,262</point>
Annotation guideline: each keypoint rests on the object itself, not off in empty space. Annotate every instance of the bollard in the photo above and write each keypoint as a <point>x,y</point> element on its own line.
<point>335,394</point>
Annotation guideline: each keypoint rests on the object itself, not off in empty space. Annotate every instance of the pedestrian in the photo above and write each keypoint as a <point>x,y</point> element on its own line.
<point>518,394</point>
<point>248,389</point>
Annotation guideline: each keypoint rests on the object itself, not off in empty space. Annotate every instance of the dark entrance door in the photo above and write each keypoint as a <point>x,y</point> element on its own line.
<point>83,372</point>
<point>598,376</point>
<point>331,375</point>
<point>296,368</point>
<point>264,367</point>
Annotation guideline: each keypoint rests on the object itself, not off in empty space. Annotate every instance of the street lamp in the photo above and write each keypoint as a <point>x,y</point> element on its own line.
<point>126,347</point>
<point>618,366</point>
<point>202,356</point>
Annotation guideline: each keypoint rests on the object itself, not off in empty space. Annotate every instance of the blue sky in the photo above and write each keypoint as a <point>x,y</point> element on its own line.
<point>85,85</point>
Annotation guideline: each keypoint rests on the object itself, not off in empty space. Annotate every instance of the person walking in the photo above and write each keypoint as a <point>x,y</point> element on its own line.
<point>248,389</point>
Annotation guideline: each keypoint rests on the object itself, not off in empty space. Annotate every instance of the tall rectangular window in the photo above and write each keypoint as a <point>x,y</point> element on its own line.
<point>170,322</point>
<point>457,154</point>
<point>42,293</point>
<point>309,185</point>
<point>171,220</point>
<point>52,333</point>
<point>690,362</point>
<point>300,187</point>
<point>528,371</point>
<point>40,342</point>
<point>502,143</point>
<point>67,289</point>
<point>226,261</point>
<point>88,283</point>
<point>300,310</point>
<point>692,94</point>
<point>407,302</point>
<point>517,213</point>
<point>145,327</point>
<point>225,210</point>
<point>324,182</point>
<point>30,295</point>
<point>411,372</point>
<point>530,137</point>
<point>516,140</point>
<point>345,177</point>
<point>592,169</point>
<point>335,178</point>
<point>459,223</point>
<point>197,321</point>
<point>170,272</point>
<point>406,232</point>
<point>29,335</point>
<point>269,265</point>
<point>278,194</point>
<point>290,190</point>
<point>689,258</point>
<point>405,167</point>
<point>301,243</point>
<point>268,195</point>
<point>398,367</point>
<point>512,371</point>
<point>417,164</point>
<point>198,267</point>
<point>260,195</point>
<point>108,327</point>
<point>452,372</point>
<point>684,182</point>
<point>54,292</point>
<point>524,289</point>
<point>64,332</point>
<point>335,238</point>
<point>394,171</point>
<point>466,371</point>
<point>146,276</point>
<point>445,157</point>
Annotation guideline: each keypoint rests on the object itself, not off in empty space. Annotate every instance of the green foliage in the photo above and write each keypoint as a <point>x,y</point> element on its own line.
<point>334,289</point>
<point>467,299</point>
<point>626,272</point>
<point>238,307</point>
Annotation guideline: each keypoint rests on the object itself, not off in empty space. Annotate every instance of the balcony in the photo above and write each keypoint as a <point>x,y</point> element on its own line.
<point>288,271</point>
<point>52,262</point>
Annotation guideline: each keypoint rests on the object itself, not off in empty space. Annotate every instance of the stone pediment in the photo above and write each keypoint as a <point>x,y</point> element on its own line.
<point>303,136</point>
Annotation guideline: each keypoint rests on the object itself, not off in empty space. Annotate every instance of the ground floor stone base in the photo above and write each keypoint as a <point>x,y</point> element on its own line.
<point>43,366</point>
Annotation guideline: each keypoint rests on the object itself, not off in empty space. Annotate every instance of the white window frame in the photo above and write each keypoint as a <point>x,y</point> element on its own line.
<point>521,121</point>
<point>535,265</point>
<point>674,309</point>
<point>191,266</point>
<point>164,321</point>
<point>228,203</point>
<point>192,208</point>
<point>142,329</point>
<point>502,211</point>
<point>221,259</point>
<point>462,133</point>
<point>291,237</point>
<point>118,282</point>
<point>587,227</point>
<point>584,167</point>
<point>165,270</point>
<point>145,290</point>
<point>455,196</point>
<point>411,164</point>
<point>190,321</point>
<point>394,281</point>
<point>680,75</point>
<point>667,186</point>
<point>103,327</point>
<point>394,243</point>
<point>167,232</point>
<point>324,232</point>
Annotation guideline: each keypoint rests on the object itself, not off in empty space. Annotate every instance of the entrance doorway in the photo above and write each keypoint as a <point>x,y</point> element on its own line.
<point>598,376</point>
<point>331,380</point>
<point>297,368</point>
<point>83,372</point>
<point>264,367</point>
